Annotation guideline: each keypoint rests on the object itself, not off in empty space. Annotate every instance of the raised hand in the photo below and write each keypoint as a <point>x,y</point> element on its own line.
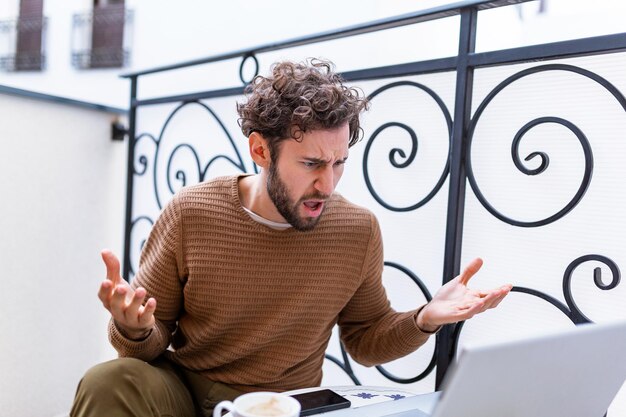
<point>456,302</point>
<point>125,305</point>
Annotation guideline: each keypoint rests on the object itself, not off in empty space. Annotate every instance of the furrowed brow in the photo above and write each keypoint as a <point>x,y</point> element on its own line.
<point>317,161</point>
<point>320,161</point>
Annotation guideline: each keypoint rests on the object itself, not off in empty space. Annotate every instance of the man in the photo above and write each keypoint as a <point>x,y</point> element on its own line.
<point>243,278</point>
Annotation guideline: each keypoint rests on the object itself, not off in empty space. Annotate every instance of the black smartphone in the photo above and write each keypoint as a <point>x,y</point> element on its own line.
<point>320,401</point>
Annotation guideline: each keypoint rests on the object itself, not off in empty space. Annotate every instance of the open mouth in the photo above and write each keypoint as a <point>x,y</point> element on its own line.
<point>313,207</point>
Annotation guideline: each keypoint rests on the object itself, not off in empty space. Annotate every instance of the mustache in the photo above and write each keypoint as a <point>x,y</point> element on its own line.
<point>315,196</point>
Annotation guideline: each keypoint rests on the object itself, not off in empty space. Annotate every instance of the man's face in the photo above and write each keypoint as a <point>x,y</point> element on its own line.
<point>306,173</point>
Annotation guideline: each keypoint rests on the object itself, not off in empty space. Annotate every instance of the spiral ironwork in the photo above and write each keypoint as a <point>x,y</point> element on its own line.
<point>545,160</point>
<point>201,172</point>
<point>577,315</point>
<point>243,63</point>
<point>396,153</point>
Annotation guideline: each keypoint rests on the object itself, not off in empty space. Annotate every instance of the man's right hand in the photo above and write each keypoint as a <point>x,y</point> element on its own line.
<point>126,306</point>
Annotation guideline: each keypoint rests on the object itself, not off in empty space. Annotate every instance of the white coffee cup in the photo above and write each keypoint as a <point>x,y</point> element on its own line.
<point>260,404</point>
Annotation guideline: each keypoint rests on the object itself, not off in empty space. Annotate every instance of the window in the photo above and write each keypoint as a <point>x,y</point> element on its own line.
<point>107,34</point>
<point>29,56</point>
<point>23,39</point>
<point>101,37</point>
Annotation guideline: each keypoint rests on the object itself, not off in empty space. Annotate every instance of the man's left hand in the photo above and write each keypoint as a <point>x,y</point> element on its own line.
<point>456,302</point>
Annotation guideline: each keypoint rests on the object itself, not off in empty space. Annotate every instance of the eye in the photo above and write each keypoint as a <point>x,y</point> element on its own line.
<point>309,164</point>
<point>338,163</point>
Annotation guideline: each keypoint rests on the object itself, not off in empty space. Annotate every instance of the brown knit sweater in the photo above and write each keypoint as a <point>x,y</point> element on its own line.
<point>254,307</point>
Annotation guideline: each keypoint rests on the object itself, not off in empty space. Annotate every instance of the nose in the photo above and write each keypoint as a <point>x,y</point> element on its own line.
<point>325,181</point>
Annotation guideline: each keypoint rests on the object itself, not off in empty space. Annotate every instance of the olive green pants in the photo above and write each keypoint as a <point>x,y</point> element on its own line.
<point>131,387</point>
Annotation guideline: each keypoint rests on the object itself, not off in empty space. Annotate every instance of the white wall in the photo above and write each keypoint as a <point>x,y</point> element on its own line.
<point>63,196</point>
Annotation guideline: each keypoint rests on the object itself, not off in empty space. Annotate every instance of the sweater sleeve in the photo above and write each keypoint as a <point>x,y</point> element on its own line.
<point>372,332</point>
<point>161,273</point>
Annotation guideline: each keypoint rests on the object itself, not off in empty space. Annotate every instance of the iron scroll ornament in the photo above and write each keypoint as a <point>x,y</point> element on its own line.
<point>396,152</point>
<point>242,65</point>
<point>345,363</point>
<point>180,175</point>
<point>570,309</point>
<point>544,157</point>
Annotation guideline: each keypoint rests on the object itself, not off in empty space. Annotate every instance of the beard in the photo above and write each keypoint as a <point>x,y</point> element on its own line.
<point>287,208</point>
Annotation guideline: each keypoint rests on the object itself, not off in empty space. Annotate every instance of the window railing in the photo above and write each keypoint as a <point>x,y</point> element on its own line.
<point>22,44</point>
<point>101,38</point>
<point>504,115</point>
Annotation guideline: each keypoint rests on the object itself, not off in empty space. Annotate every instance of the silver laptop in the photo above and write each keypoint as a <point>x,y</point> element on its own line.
<point>575,373</point>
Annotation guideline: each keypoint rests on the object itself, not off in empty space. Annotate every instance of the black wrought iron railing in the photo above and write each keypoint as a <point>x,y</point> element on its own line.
<point>152,160</point>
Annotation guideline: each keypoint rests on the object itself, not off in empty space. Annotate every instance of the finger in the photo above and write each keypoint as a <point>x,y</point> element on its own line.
<point>112,265</point>
<point>470,310</point>
<point>489,300</point>
<point>479,305</point>
<point>131,312</point>
<point>496,296</point>
<point>104,293</point>
<point>118,303</point>
<point>146,313</point>
<point>470,270</point>
<point>499,299</point>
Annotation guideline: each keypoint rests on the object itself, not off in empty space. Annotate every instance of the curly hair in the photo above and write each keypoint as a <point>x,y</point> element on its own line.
<point>297,98</point>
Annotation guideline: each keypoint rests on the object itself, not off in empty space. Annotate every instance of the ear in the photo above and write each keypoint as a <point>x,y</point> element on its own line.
<point>259,151</point>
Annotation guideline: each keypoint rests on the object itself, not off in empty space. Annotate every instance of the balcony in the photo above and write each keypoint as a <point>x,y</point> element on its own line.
<point>101,38</point>
<point>22,44</point>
